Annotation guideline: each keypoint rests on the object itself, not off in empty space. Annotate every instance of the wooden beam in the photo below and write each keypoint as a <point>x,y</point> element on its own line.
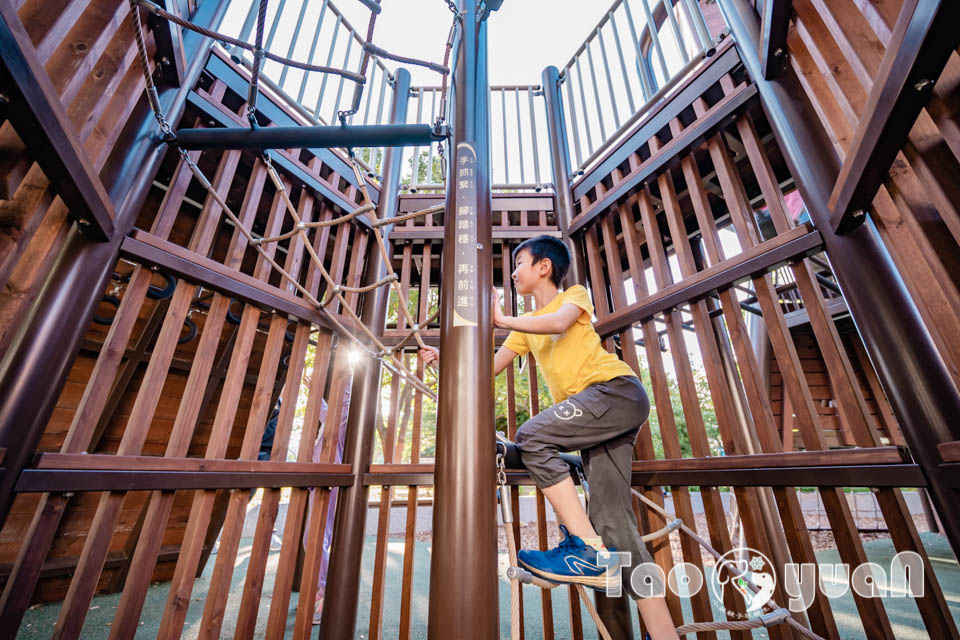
<point>950,451</point>
<point>717,116</point>
<point>61,480</point>
<point>864,475</point>
<point>401,234</point>
<point>766,256</point>
<point>31,103</point>
<point>148,249</point>
<point>109,462</point>
<point>773,45</point>
<point>923,38</point>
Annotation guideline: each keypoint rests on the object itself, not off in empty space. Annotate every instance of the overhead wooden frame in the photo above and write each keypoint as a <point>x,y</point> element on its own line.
<point>923,38</point>
<point>773,35</point>
<point>31,103</point>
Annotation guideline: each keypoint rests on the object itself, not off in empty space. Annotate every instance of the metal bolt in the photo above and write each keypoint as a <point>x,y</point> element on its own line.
<point>859,215</point>
<point>479,246</point>
<point>83,222</point>
<point>923,85</point>
<point>165,61</point>
<point>4,99</point>
<point>778,52</point>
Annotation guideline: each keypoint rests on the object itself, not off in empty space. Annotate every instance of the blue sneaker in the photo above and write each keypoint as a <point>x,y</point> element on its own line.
<point>570,562</point>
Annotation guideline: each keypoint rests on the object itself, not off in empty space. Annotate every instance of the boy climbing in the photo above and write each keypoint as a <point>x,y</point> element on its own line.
<point>599,409</point>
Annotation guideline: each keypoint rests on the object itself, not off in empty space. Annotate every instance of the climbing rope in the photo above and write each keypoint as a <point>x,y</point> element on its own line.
<point>186,24</point>
<point>517,575</point>
<point>334,290</point>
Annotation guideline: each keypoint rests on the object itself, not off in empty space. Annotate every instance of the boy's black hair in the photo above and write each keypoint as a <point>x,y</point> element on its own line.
<point>542,247</point>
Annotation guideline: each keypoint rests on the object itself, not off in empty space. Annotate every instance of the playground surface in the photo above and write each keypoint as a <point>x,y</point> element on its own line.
<point>904,617</point>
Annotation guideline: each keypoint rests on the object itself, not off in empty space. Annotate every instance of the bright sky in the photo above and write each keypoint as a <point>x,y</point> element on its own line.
<point>524,35</point>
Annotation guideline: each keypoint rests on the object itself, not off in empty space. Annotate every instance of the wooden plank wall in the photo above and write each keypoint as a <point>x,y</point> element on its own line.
<point>686,202</point>
<point>835,48</point>
<point>175,375</point>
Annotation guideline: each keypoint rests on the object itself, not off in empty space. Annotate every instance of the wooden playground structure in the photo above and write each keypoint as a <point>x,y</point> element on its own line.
<point>782,199</point>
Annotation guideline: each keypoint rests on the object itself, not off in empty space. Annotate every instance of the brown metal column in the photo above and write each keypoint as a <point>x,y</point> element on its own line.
<point>463,569</point>
<point>346,553</point>
<point>39,359</point>
<point>912,373</point>
<point>560,166</point>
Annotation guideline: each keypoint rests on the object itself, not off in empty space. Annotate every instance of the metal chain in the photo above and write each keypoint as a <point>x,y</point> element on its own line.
<point>152,96</point>
<point>501,470</point>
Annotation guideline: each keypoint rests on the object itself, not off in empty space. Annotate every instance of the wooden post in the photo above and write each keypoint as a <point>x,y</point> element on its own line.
<point>463,570</point>
<point>560,166</point>
<point>921,393</point>
<point>340,604</point>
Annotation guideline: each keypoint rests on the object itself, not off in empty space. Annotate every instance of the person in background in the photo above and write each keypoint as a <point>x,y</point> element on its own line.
<point>341,426</point>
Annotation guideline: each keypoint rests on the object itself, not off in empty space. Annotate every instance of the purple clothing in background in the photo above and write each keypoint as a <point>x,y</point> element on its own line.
<point>332,504</point>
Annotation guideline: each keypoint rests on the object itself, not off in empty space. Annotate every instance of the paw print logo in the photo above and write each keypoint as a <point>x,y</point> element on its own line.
<point>566,410</point>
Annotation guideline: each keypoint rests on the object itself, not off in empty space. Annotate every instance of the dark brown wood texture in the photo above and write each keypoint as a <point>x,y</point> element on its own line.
<point>691,253</point>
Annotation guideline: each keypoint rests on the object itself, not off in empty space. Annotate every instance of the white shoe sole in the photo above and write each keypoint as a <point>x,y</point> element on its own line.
<point>597,582</point>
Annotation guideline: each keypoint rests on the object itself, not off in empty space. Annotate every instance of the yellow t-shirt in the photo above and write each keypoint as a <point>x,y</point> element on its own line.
<point>573,360</point>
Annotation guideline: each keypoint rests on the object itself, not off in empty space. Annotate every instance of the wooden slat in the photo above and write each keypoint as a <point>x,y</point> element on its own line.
<point>320,503</point>
<point>290,545</point>
<point>692,136</point>
<point>838,457</point>
<point>730,421</point>
<point>174,259</point>
<point>42,123</point>
<point>104,462</point>
<point>760,259</point>
<point>845,532</point>
<point>922,40</point>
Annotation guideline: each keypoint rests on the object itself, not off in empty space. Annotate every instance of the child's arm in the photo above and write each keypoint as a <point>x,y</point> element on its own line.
<point>501,360</point>
<point>550,323</point>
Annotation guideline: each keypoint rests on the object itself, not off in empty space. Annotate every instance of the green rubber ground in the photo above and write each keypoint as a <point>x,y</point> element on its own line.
<point>39,621</point>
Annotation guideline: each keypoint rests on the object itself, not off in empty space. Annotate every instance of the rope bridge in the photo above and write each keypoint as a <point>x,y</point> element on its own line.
<point>334,291</point>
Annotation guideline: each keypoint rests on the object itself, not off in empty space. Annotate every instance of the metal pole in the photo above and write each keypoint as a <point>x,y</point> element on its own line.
<point>463,568</point>
<point>560,166</point>
<point>40,356</point>
<point>371,135</point>
<point>340,608</point>
<point>912,373</point>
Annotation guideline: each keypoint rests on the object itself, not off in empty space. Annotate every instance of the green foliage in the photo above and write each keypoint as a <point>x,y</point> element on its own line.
<point>423,160</point>
<point>676,407</point>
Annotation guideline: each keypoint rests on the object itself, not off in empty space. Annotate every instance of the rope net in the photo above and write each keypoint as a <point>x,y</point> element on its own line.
<point>351,324</point>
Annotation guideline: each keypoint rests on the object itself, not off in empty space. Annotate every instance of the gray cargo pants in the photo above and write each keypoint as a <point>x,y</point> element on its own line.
<point>602,422</point>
